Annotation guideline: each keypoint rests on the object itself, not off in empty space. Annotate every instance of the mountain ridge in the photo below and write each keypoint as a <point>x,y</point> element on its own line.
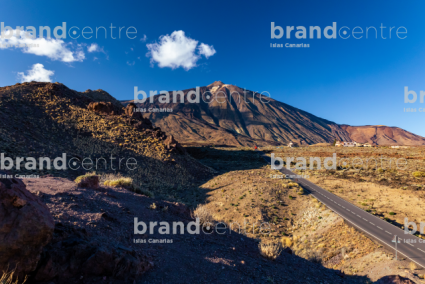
<point>253,121</point>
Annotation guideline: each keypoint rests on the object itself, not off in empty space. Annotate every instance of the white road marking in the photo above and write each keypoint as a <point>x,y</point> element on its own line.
<point>388,232</point>
<point>364,219</point>
<point>369,222</point>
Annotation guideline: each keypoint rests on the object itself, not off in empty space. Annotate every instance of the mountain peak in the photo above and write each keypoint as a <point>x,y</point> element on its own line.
<point>216,83</point>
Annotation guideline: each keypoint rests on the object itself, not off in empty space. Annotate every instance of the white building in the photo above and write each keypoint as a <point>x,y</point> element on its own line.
<point>291,144</point>
<point>349,144</point>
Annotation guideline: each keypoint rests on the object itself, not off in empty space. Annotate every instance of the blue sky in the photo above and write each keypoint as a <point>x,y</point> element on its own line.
<point>356,82</point>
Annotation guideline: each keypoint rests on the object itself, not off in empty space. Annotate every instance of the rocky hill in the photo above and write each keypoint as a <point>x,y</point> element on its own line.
<point>383,135</point>
<point>95,133</point>
<point>227,114</point>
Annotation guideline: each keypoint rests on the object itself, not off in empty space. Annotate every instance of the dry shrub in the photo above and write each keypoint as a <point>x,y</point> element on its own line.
<point>418,174</point>
<point>413,266</point>
<point>270,250</point>
<point>331,254</point>
<point>78,179</point>
<point>125,182</point>
<point>89,180</point>
<point>104,177</point>
<point>7,278</point>
<point>292,184</point>
<point>152,206</point>
<point>204,215</point>
<point>286,241</point>
<point>313,256</point>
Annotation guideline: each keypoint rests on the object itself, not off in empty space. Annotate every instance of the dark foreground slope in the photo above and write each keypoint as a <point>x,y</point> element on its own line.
<point>86,240</point>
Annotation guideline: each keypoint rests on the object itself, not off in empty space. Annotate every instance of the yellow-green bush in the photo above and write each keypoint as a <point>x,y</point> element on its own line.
<point>120,182</point>
<point>271,249</point>
<point>292,184</point>
<point>127,183</point>
<point>78,179</point>
<point>418,174</point>
<point>286,241</point>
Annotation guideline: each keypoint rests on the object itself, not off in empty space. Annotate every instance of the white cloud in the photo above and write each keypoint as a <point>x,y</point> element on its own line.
<point>93,47</point>
<point>144,38</point>
<point>54,49</point>
<point>206,50</point>
<point>131,63</point>
<point>37,73</point>
<point>177,50</point>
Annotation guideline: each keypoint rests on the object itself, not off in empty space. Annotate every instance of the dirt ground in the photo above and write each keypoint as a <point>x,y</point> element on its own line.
<point>257,204</point>
<point>107,215</point>
<point>254,196</point>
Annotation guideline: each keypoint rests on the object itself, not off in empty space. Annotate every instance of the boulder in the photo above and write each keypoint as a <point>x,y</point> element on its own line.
<point>139,121</point>
<point>26,226</point>
<point>171,144</point>
<point>101,107</point>
<point>129,110</point>
<point>143,124</point>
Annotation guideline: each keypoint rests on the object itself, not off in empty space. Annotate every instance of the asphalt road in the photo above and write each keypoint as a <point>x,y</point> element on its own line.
<point>375,227</point>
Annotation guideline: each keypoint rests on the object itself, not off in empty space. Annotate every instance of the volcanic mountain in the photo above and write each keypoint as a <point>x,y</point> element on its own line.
<point>227,114</point>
